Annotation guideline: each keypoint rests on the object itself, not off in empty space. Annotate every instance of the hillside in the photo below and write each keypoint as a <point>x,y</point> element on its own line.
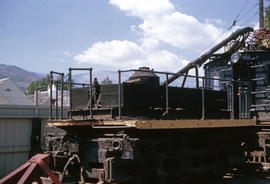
<point>21,77</point>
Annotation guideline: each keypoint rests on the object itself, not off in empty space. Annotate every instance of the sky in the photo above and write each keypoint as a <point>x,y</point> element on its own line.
<point>45,35</point>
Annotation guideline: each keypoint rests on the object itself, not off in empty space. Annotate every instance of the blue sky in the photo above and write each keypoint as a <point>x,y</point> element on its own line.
<point>44,35</point>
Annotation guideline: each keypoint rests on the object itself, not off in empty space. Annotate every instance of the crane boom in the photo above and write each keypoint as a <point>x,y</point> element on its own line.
<point>202,58</point>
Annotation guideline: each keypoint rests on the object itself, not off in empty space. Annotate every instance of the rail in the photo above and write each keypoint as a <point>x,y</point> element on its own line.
<point>202,83</point>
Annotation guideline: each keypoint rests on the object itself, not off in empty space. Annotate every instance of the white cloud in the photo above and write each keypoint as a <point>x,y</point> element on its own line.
<point>126,54</point>
<point>160,23</point>
<point>112,53</point>
<point>144,8</point>
<point>180,30</point>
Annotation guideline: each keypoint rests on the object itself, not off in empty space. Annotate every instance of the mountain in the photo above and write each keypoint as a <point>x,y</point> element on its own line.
<point>21,77</point>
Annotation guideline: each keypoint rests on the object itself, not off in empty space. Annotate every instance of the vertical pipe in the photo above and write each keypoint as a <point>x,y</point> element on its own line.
<point>197,77</point>
<point>119,94</point>
<point>56,100</point>
<point>70,92</point>
<point>203,107</point>
<point>240,102</point>
<point>91,91</point>
<point>51,81</point>
<point>167,97</point>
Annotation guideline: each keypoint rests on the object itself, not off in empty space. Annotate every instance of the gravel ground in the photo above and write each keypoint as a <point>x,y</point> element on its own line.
<point>262,179</point>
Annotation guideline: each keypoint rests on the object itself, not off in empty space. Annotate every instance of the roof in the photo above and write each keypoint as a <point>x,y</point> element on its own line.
<point>11,94</point>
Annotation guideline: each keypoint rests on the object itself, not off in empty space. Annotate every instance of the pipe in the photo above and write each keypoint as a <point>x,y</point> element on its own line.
<point>201,59</point>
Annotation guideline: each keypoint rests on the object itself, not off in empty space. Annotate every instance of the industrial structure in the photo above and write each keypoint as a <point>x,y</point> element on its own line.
<point>144,130</point>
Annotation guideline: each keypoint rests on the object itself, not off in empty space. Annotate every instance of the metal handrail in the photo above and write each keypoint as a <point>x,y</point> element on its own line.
<point>167,83</point>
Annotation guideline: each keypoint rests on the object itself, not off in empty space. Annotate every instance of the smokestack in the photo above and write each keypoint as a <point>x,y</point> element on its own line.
<point>261,14</point>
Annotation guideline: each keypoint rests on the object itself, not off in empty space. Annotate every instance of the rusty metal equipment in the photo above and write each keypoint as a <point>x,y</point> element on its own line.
<point>140,131</point>
<point>31,171</point>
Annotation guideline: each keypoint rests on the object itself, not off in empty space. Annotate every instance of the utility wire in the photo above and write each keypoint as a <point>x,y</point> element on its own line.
<point>235,21</point>
<point>249,18</point>
<point>255,5</point>
<point>241,10</point>
<point>237,18</point>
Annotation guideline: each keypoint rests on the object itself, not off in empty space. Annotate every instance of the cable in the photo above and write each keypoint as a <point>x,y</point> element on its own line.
<point>249,18</point>
<point>244,5</point>
<point>238,18</point>
<point>248,11</point>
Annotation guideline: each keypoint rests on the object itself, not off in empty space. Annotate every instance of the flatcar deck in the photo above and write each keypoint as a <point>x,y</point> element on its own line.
<point>157,124</point>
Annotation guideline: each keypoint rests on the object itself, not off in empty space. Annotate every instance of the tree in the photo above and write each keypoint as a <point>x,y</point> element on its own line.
<point>106,81</point>
<point>267,17</point>
<point>43,84</point>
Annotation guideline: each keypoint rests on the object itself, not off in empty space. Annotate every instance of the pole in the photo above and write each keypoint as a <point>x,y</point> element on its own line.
<point>56,100</point>
<point>197,76</point>
<point>261,16</point>
<point>91,91</point>
<point>167,97</point>
<point>62,94</point>
<point>203,106</point>
<point>119,94</point>
<point>70,91</point>
<point>51,81</point>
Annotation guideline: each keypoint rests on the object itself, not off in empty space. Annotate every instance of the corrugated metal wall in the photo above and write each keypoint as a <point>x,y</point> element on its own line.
<point>16,123</point>
<point>15,143</point>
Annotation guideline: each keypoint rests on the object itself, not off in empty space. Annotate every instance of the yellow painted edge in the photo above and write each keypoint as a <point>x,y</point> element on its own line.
<point>160,124</point>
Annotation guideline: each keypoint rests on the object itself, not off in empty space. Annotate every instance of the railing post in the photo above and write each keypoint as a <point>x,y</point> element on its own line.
<point>119,94</point>
<point>70,93</point>
<point>197,77</point>
<point>56,100</point>
<point>203,100</point>
<point>51,81</point>
<point>167,97</point>
<point>91,93</point>
<point>62,94</point>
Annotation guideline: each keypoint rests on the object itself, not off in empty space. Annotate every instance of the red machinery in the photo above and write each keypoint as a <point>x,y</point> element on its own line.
<point>31,171</point>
